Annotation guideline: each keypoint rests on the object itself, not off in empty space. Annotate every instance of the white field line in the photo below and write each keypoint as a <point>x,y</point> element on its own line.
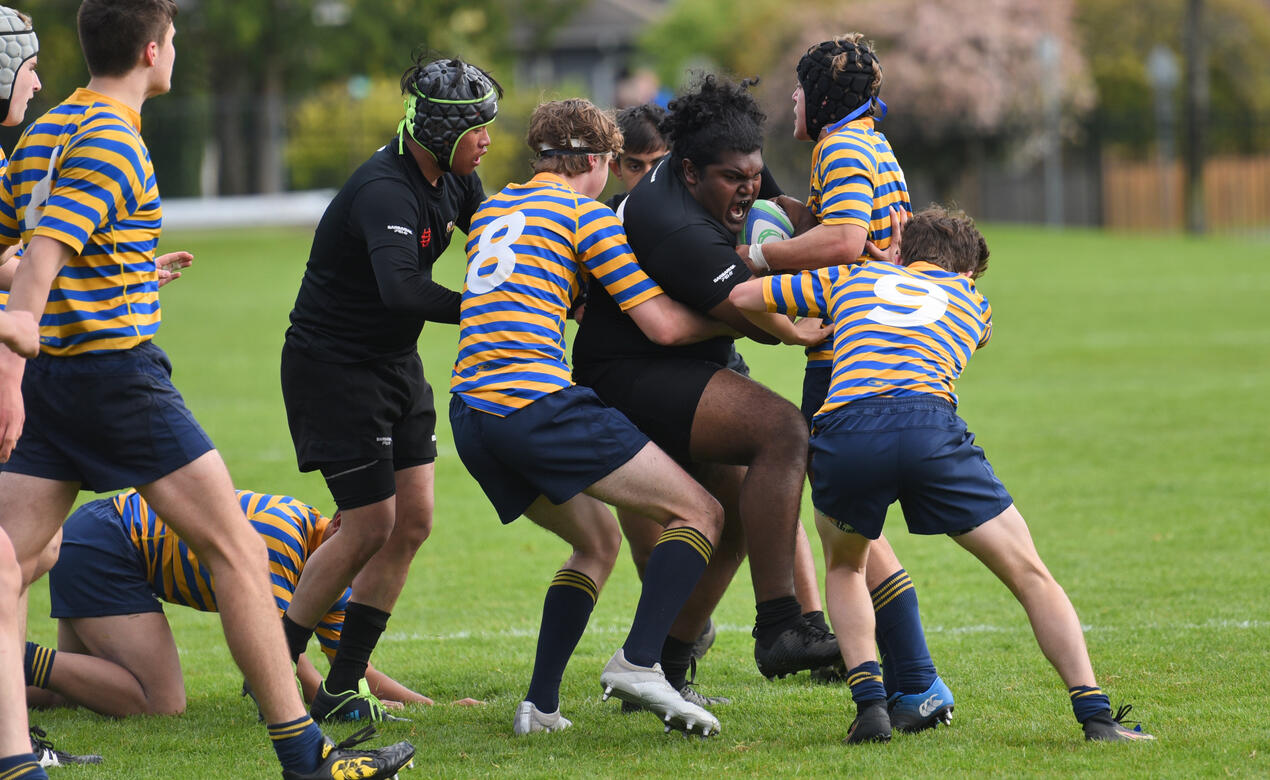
<point>1021,627</point>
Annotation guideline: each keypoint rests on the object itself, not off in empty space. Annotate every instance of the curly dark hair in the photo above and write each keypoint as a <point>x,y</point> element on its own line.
<point>715,116</point>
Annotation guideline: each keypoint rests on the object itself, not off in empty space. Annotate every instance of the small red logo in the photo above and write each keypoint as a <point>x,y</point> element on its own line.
<point>425,237</point>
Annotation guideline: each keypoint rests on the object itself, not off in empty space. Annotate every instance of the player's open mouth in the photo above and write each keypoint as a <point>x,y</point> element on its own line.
<point>739,210</point>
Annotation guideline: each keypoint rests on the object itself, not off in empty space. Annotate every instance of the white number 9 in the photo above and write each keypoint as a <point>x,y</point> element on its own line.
<point>498,247</point>
<point>930,304</point>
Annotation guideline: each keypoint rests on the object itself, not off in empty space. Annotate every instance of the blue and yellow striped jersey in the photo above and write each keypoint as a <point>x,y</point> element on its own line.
<point>529,250</point>
<point>81,174</point>
<point>898,331</point>
<point>855,179</point>
<point>292,530</point>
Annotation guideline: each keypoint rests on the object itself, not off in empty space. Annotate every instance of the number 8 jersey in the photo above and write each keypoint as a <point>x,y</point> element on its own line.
<point>529,250</point>
<point>898,331</point>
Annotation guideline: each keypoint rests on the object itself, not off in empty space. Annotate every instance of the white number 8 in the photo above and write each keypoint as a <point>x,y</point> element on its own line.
<point>500,248</point>
<point>931,304</point>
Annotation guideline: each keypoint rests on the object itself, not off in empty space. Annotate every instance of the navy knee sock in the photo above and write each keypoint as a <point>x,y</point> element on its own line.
<point>565,612</point>
<point>906,660</point>
<point>673,568</point>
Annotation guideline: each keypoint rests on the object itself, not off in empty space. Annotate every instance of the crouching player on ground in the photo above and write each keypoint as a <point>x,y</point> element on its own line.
<point>116,654</point>
<point>889,430</point>
<point>542,447</point>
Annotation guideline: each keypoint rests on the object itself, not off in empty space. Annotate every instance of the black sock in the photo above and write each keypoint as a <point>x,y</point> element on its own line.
<point>297,637</point>
<point>676,657</point>
<point>774,616</point>
<point>817,618</point>
<point>673,568</point>
<point>363,625</point>
<point>565,612</point>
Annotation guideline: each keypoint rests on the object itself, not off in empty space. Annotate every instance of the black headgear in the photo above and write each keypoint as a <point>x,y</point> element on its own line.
<point>446,99</point>
<point>17,45</point>
<point>829,96</point>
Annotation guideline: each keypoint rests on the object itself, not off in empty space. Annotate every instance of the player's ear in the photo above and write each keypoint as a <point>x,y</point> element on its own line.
<point>615,165</point>
<point>690,171</point>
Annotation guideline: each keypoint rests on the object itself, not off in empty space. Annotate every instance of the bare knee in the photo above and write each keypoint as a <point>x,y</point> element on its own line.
<point>414,529</point>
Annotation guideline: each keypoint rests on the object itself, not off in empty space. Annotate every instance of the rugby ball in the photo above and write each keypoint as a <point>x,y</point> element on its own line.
<point>765,222</point>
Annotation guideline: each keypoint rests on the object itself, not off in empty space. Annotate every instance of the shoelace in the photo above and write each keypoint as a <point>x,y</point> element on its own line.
<point>1121,712</point>
<point>40,740</point>
<point>356,738</point>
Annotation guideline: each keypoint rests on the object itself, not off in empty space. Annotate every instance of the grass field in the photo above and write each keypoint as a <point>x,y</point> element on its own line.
<point>1124,400</point>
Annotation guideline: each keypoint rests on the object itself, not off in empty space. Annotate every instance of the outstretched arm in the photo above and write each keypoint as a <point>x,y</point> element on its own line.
<point>670,323</point>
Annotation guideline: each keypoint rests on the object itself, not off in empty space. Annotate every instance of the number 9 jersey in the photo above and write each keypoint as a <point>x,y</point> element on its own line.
<point>899,331</point>
<point>529,250</point>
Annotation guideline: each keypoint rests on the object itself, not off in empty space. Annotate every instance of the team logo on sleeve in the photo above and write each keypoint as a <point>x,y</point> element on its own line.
<point>425,237</point>
<point>401,230</point>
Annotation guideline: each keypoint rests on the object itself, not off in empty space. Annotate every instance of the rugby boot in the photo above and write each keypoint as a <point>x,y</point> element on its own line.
<point>704,642</point>
<point>529,720</point>
<point>360,704</point>
<point>47,755</point>
<point>1104,727</point>
<point>913,712</point>
<point>342,762</point>
<point>800,646</point>
<point>689,692</point>
<point>871,724</point>
<point>646,686</point>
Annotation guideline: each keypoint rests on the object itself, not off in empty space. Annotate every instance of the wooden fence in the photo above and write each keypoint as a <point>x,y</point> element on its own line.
<point>1147,196</point>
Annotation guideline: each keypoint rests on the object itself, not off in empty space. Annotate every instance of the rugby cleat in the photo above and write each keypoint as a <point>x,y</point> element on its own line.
<point>871,724</point>
<point>47,755</point>
<point>529,720</point>
<point>913,712</point>
<point>704,642</point>
<point>800,647</point>
<point>341,762</point>
<point>360,704</point>
<point>689,693</point>
<point>1104,727</point>
<point>646,687</point>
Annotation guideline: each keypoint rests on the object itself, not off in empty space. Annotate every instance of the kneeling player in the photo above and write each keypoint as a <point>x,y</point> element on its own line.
<point>116,654</point>
<point>542,447</point>
<point>889,430</point>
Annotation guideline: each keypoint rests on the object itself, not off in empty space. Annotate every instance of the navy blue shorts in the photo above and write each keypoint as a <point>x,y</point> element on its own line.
<point>871,452</point>
<point>107,421</point>
<point>99,572</point>
<point>815,390</point>
<point>556,447</point>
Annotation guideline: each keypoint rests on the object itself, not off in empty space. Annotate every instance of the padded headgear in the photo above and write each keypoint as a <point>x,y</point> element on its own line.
<point>446,99</point>
<point>832,96</point>
<point>17,45</point>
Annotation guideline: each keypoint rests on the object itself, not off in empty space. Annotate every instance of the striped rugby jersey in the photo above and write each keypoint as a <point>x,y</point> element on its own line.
<point>898,331</point>
<point>292,530</point>
<point>529,251</point>
<point>81,174</point>
<point>855,179</point>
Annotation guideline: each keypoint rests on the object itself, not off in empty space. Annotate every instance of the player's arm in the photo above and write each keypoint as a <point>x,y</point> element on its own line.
<point>8,266</point>
<point>669,323</point>
<point>768,328</point>
<point>380,211</point>
<point>388,689</point>
<point>820,247</point>
<point>43,259</point>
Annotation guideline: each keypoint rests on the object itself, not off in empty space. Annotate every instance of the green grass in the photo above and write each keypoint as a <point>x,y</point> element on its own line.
<point>1124,401</point>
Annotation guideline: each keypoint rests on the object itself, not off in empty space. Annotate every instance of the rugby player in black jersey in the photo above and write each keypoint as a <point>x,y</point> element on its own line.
<point>742,439</point>
<point>359,407</point>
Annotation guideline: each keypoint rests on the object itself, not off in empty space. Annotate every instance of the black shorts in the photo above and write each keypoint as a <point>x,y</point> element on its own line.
<point>659,395</point>
<point>379,410</point>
